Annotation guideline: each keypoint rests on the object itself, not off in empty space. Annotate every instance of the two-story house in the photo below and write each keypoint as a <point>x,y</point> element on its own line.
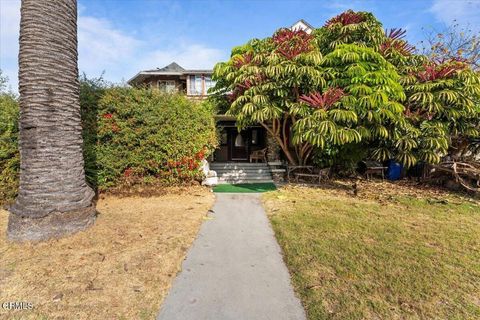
<point>171,78</point>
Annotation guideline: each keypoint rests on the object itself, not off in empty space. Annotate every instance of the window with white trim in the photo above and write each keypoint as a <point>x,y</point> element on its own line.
<point>196,86</point>
<point>209,83</point>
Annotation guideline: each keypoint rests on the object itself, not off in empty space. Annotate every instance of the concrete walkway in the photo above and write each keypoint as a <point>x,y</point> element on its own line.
<point>234,270</point>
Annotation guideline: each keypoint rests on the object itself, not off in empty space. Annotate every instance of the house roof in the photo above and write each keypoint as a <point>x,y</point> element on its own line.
<point>305,23</point>
<point>302,25</point>
<point>173,69</point>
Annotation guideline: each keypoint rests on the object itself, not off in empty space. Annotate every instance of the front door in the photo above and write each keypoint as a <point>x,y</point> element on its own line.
<point>239,145</point>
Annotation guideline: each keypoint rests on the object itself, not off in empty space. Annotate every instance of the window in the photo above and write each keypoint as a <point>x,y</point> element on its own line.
<point>223,137</point>
<point>166,85</point>
<point>209,83</point>
<point>195,85</point>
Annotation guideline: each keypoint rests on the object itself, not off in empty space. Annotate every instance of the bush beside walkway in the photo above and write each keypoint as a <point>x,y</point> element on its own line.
<point>131,137</point>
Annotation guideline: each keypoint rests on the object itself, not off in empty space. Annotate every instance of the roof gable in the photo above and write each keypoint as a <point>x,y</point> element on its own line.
<point>172,67</point>
<point>302,25</point>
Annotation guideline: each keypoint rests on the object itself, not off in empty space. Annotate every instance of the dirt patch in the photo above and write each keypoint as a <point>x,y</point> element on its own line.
<point>387,191</point>
<point>121,268</point>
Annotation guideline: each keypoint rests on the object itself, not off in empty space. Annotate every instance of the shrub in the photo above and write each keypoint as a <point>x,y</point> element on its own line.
<point>144,134</point>
<point>130,135</point>
<point>344,159</point>
<point>91,91</point>
<point>9,155</point>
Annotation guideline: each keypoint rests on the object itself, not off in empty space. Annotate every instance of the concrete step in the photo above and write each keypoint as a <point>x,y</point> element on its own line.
<point>234,166</point>
<point>229,177</point>
<point>245,178</point>
<point>247,171</point>
<point>242,172</point>
<point>275,163</point>
<point>238,164</point>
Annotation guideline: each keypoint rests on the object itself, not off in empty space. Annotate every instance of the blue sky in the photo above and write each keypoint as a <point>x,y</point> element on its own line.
<point>122,37</point>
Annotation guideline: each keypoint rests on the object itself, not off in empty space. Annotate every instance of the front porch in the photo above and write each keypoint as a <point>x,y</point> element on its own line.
<point>232,159</point>
<point>237,146</point>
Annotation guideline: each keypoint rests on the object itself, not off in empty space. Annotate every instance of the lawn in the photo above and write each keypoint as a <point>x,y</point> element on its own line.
<point>121,268</point>
<point>392,252</point>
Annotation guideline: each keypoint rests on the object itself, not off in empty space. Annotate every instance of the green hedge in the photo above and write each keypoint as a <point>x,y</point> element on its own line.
<point>144,135</point>
<point>131,136</point>
<point>9,155</point>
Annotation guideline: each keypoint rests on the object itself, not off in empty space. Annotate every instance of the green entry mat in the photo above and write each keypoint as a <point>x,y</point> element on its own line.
<point>245,187</point>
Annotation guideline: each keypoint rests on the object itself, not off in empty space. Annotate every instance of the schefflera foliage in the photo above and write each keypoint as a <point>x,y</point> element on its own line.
<point>265,78</point>
<point>369,63</point>
<point>441,110</point>
<point>369,108</point>
<point>444,107</point>
<point>350,27</point>
<point>351,82</point>
<point>271,81</point>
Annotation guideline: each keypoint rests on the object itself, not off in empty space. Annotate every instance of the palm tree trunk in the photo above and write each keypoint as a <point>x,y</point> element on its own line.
<point>54,198</point>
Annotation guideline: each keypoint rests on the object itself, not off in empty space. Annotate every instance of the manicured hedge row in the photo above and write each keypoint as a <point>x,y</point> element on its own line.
<point>131,136</point>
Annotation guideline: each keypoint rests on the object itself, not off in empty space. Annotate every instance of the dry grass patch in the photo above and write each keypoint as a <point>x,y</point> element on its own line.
<point>121,268</point>
<point>394,252</point>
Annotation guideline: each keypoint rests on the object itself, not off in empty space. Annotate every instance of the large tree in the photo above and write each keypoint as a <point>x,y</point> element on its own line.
<point>265,78</point>
<point>54,198</point>
<point>352,83</point>
<point>329,88</point>
<point>444,105</point>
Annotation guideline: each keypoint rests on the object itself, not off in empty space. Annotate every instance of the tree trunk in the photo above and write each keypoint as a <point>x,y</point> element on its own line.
<point>53,199</point>
<point>281,142</point>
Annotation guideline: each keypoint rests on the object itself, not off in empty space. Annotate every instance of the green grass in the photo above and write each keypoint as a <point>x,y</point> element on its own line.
<point>245,188</point>
<point>404,258</point>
